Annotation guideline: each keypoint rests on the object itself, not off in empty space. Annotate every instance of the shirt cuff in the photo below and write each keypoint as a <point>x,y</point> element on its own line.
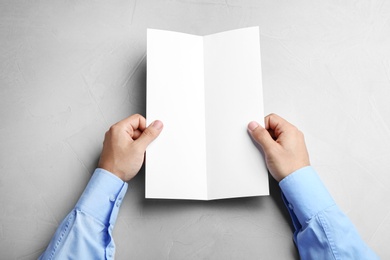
<point>103,196</point>
<point>305,193</point>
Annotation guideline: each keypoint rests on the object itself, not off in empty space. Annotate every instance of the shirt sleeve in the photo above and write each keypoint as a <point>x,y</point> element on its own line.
<point>322,230</point>
<point>86,233</point>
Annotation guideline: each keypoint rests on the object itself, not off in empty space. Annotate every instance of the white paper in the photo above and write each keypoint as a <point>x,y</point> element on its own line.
<point>205,89</point>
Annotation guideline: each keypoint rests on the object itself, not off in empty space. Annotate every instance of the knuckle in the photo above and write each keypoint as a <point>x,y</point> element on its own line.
<point>114,128</point>
<point>294,129</point>
<point>269,116</point>
<point>111,128</point>
<point>137,117</point>
<point>298,132</point>
<point>272,115</point>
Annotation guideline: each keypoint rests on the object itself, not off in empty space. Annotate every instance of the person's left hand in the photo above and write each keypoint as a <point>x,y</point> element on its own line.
<point>125,144</point>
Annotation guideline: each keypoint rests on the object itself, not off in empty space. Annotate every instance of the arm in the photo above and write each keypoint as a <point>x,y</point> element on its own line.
<point>86,233</point>
<point>322,230</point>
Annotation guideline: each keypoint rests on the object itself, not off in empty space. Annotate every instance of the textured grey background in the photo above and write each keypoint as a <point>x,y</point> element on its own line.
<point>70,69</point>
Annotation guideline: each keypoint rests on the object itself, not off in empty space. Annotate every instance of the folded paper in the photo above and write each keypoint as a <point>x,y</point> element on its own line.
<point>205,89</point>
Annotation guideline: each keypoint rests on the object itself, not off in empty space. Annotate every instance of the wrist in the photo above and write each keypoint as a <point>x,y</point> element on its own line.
<point>111,169</point>
<point>293,169</point>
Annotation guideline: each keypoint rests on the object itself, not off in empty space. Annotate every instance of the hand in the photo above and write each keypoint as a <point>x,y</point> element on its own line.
<point>125,144</point>
<point>283,145</point>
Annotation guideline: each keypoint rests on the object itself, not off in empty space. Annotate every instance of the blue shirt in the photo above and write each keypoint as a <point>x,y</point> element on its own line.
<point>86,233</point>
<point>322,231</point>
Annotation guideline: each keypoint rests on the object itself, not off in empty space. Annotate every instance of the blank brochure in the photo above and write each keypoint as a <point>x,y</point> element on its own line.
<point>205,89</point>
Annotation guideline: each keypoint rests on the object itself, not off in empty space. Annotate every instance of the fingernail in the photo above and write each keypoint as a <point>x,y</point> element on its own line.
<point>157,124</point>
<point>252,125</point>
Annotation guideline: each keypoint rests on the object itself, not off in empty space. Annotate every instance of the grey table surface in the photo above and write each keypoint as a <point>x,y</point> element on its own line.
<point>70,69</point>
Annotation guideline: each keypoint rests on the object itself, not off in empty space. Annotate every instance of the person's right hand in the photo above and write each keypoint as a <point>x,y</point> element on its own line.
<point>283,145</point>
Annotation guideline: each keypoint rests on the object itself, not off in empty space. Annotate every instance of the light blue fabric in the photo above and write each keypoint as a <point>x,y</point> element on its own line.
<point>86,232</point>
<point>322,230</point>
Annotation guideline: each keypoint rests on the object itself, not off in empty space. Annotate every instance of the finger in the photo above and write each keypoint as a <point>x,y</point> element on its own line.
<point>137,134</point>
<point>133,122</point>
<point>261,135</point>
<point>276,124</point>
<point>149,134</point>
<point>273,120</point>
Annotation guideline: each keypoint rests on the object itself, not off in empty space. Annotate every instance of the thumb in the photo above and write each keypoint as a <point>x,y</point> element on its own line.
<point>149,134</point>
<point>261,136</point>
